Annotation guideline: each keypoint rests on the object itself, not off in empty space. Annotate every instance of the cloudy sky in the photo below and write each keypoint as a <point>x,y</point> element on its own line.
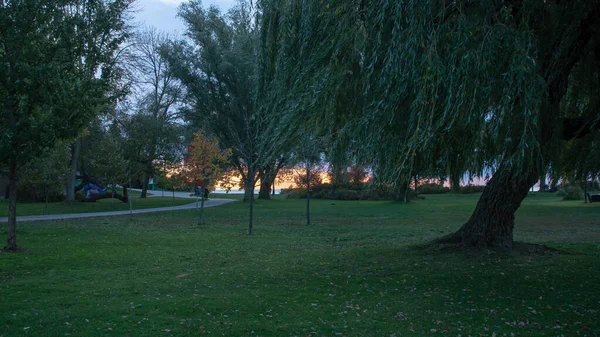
<point>162,14</point>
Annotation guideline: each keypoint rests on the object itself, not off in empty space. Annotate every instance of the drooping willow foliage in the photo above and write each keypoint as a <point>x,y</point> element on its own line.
<point>406,81</point>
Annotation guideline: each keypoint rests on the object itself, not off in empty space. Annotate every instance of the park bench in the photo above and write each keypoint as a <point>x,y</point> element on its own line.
<point>593,197</point>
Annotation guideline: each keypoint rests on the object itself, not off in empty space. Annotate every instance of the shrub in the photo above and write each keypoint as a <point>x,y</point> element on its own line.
<point>571,193</point>
<point>294,193</point>
<point>433,189</point>
<point>347,191</point>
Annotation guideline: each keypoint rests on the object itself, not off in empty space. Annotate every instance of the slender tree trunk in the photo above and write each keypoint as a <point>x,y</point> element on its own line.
<point>113,192</point>
<point>72,174</point>
<point>11,242</point>
<point>125,193</point>
<point>585,198</point>
<point>249,196</point>
<point>130,206</point>
<point>201,221</point>
<point>273,187</point>
<point>307,194</point>
<point>492,221</point>
<point>146,179</point>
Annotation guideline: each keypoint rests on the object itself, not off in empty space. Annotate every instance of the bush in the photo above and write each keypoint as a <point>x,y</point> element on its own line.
<point>30,193</point>
<point>346,192</point>
<point>343,194</point>
<point>433,189</point>
<point>571,193</point>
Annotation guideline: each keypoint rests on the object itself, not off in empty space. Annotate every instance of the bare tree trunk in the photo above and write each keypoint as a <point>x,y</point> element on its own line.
<point>492,221</point>
<point>72,174</point>
<point>201,221</point>
<point>249,193</point>
<point>585,198</point>
<point>307,194</point>
<point>113,192</point>
<point>11,242</point>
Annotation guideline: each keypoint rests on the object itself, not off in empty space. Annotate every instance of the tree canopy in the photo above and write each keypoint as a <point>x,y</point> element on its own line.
<point>490,82</point>
<point>57,68</point>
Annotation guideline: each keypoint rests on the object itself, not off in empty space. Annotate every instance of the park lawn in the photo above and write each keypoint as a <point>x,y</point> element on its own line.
<point>104,205</point>
<point>359,269</point>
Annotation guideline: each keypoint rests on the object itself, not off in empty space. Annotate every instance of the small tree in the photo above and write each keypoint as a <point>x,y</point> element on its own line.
<point>204,164</point>
<point>308,158</point>
<point>154,129</point>
<point>166,178</point>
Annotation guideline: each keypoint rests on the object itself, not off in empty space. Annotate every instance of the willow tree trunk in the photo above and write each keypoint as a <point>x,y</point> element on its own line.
<point>265,189</point>
<point>267,181</point>
<point>11,242</point>
<point>455,182</point>
<point>492,222</point>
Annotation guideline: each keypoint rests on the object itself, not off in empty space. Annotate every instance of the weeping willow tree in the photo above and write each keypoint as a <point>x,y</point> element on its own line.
<point>488,81</point>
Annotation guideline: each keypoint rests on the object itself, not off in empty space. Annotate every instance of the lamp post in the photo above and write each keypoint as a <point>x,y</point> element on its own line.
<point>206,172</point>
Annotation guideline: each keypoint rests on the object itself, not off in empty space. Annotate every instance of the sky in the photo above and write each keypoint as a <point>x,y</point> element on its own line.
<point>162,14</point>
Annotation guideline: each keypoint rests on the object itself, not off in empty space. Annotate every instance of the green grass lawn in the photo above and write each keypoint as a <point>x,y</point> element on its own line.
<point>358,270</point>
<point>104,205</point>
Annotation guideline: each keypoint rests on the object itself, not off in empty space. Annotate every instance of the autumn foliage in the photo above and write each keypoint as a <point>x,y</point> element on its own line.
<point>205,160</point>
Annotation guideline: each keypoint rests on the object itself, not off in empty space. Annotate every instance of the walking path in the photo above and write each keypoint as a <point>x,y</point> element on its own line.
<point>207,203</point>
<point>151,193</point>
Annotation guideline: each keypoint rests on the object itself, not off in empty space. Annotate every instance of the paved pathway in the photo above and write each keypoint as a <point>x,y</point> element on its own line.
<point>152,193</point>
<point>207,203</point>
